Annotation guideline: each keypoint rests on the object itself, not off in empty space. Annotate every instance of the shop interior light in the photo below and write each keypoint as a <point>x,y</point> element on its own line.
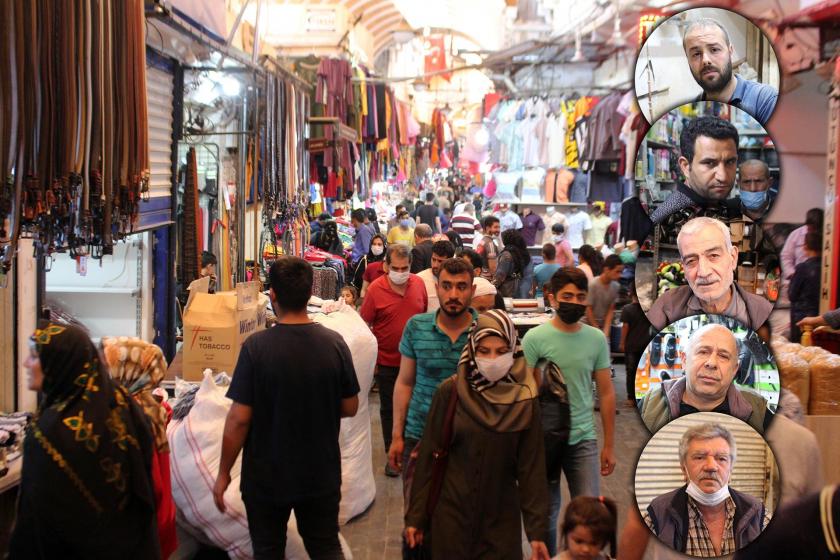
<point>578,48</point>
<point>230,86</point>
<point>617,39</point>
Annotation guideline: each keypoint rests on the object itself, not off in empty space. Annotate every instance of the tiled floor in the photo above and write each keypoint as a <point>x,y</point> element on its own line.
<point>375,535</point>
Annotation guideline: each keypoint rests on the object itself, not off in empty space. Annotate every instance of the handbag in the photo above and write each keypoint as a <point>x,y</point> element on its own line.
<point>440,458</point>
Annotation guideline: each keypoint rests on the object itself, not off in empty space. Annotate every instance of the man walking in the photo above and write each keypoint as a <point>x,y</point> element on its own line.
<point>389,303</point>
<point>603,291</point>
<point>431,347</point>
<point>581,354</point>
<point>288,403</point>
<point>489,248</point>
<point>421,254</point>
<point>441,250</point>
<point>364,234</point>
<point>428,214</point>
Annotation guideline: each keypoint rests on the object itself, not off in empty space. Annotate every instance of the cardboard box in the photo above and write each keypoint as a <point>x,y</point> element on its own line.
<point>216,325</point>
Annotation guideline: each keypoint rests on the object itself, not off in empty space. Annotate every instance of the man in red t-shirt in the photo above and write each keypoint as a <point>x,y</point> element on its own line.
<point>389,303</point>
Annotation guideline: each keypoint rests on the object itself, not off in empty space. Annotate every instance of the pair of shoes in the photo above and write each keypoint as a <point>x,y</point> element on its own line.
<point>391,472</point>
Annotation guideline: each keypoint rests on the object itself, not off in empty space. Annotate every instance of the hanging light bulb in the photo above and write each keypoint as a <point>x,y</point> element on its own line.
<point>617,39</point>
<point>578,48</point>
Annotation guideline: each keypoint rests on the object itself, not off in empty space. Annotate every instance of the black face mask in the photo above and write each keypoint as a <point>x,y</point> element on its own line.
<point>570,313</point>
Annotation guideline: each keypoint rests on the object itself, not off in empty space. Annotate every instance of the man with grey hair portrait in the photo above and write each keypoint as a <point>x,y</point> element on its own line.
<point>709,52</point>
<point>705,517</point>
<point>755,184</point>
<point>710,358</point>
<point>709,260</point>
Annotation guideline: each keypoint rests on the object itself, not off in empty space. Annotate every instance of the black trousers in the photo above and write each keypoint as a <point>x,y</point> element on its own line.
<point>386,378</point>
<point>631,359</point>
<point>317,523</point>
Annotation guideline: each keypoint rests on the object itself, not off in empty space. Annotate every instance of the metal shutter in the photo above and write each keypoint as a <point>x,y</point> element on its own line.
<point>659,470</point>
<point>159,88</point>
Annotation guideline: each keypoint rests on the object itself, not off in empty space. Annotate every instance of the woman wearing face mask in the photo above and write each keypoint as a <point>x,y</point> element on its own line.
<point>494,477</point>
<point>376,254</point>
<point>565,256</point>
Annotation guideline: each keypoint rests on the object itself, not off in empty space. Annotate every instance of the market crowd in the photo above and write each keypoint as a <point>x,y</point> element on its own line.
<point>479,421</point>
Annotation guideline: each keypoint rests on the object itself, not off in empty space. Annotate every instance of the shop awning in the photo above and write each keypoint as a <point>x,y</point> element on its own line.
<point>827,11</point>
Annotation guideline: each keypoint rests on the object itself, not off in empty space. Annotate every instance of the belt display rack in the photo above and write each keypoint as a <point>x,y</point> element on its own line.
<point>74,148</point>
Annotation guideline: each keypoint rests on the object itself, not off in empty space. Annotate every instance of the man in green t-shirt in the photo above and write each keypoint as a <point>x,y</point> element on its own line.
<point>582,354</point>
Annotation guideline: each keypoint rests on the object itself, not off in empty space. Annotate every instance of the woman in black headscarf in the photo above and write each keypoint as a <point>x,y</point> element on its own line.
<point>328,239</point>
<point>511,264</point>
<point>376,254</point>
<point>374,219</point>
<point>494,480</point>
<point>86,488</point>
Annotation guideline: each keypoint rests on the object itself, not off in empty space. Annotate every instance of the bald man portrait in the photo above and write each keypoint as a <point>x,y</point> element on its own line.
<point>710,358</point>
<point>709,261</point>
<point>709,51</point>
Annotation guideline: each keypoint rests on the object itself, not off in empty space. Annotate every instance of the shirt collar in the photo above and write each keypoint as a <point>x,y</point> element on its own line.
<point>435,326</point>
<point>740,90</point>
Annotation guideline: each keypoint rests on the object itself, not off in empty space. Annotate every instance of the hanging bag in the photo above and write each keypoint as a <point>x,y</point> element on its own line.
<point>556,416</point>
<point>440,458</point>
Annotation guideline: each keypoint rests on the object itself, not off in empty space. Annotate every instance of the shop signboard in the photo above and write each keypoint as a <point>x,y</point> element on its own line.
<point>216,326</point>
<point>831,222</point>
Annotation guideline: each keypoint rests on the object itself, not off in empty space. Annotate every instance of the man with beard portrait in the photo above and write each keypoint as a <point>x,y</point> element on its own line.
<point>709,52</point>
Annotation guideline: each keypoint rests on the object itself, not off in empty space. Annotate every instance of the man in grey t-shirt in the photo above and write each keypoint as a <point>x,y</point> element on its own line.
<point>603,291</point>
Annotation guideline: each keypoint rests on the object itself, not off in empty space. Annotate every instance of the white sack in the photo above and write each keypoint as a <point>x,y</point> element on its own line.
<point>195,450</point>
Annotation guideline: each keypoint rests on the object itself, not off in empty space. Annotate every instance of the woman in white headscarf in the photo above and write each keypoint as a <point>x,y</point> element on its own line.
<point>494,477</point>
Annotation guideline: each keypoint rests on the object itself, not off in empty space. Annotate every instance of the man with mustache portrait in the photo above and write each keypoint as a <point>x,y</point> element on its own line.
<point>709,260</point>
<point>705,517</point>
<point>711,360</point>
<point>709,52</point>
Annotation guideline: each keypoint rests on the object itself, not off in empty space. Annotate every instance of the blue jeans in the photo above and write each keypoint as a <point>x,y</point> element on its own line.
<point>582,467</point>
<point>526,281</point>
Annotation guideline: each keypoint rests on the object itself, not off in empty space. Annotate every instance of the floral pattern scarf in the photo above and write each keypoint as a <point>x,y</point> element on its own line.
<point>139,366</point>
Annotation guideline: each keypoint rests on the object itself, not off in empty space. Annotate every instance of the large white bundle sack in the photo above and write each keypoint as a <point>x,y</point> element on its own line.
<point>195,450</point>
<point>358,487</point>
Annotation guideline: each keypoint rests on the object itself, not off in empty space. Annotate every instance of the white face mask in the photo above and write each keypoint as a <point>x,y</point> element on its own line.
<point>558,238</point>
<point>493,369</point>
<point>398,278</point>
<point>705,499</point>
<point>377,249</point>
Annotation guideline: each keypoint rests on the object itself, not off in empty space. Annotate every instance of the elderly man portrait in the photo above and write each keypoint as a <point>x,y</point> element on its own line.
<point>709,260</point>
<point>710,359</point>
<point>705,517</point>
<point>709,51</point>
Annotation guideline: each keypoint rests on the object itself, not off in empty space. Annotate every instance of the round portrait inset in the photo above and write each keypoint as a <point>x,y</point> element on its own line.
<point>707,54</point>
<point>708,159</point>
<point>708,267</point>
<point>707,485</point>
<point>707,363</point>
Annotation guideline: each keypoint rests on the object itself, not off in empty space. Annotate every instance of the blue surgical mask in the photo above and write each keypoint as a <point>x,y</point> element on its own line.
<point>753,200</point>
<point>405,223</point>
